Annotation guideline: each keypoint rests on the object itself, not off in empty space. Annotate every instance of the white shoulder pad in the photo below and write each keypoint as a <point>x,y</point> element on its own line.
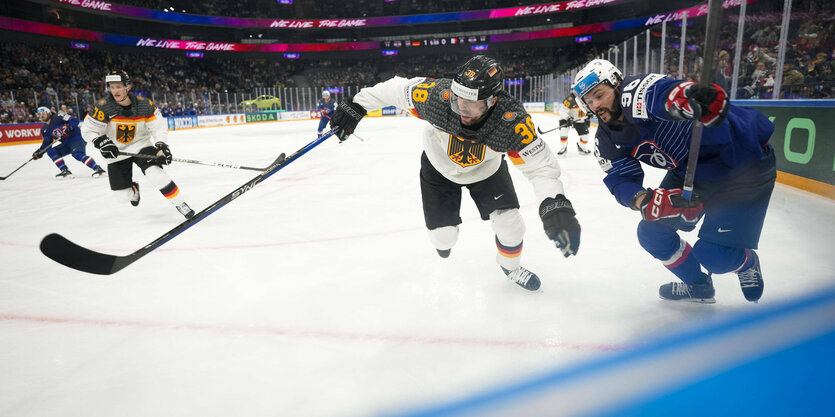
<point>638,99</point>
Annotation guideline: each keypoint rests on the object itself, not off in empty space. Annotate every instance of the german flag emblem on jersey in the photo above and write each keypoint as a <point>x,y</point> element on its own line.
<point>125,133</point>
<point>492,71</point>
<point>465,152</point>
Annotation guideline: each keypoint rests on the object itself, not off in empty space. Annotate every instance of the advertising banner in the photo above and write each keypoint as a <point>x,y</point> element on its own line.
<point>23,132</point>
<point>220,120</point>
<point>182,122</point>
<point>803,138</point>
<point>534,106</point>
<point>295,115</point>
<point>270,116</point>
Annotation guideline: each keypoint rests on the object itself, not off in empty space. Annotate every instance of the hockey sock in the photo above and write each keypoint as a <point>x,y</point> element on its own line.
<point>719,259</point>
<point>60,164</point>
<point>161,180</point>
<point>509,257</point>
<point>444,238</point>
<point>510,232</point>
<point>86,160</point>
<point>674,253</point>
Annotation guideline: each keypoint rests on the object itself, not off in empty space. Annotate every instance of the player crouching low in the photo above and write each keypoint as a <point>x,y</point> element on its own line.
<point>64,129</point>
<point>647,119</point>
<point>132,121</point>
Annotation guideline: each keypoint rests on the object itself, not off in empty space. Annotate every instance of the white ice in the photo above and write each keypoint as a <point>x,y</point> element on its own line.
<point>318,293</point>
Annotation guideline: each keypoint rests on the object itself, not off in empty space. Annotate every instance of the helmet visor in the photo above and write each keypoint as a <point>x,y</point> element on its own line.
<point>469,108</point>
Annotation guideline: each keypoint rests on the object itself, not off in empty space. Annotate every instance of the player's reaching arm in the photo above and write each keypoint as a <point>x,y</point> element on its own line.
<point>394,92</point>
<point>541,168</point>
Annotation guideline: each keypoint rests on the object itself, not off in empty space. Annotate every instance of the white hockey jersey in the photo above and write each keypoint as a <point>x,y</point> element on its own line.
<point>131,128</point>
<point>465,156</point>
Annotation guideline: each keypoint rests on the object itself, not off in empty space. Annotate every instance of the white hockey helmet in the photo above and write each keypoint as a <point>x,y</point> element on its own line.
<point>326,93</point>
<point>42,110</point>
<point>595,72</point>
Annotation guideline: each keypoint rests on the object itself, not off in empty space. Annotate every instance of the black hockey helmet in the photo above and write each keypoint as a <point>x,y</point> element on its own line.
<point>117,76</point>
<point>478,79</point>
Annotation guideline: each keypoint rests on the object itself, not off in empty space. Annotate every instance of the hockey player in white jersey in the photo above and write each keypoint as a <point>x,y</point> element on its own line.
<point>571,115</point>
<point>472,125</point>
<point>132,121</point>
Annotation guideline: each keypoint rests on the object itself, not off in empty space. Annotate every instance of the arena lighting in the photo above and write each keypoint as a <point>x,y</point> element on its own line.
<point>19,25</point>
<point>582,39</point>
<point>79,45</point>
<point>292,56</point>
<point>389,52</point>
<point>532,10</point>
<point>191,54</point>
<point>478,47</point>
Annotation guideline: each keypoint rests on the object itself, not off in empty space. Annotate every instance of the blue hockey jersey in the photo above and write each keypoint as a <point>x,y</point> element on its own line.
<point>326,108</point>
<point>650,136</point>
<point>60,127</point>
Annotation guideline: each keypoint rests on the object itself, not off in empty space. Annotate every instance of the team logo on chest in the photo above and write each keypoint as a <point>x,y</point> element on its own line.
<point>465,152</point>
<point>125,133</point>
<point>649,153</point>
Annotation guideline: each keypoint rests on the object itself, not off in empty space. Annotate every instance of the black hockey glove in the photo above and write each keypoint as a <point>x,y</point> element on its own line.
<point>346,117</point>
<point>163,153</point>
<point>39,153</point>
<point>106,146</point>
<point>560,224</point>
<point>565,122</point>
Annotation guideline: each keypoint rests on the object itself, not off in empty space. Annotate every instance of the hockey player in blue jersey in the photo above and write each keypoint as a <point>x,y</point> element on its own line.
<point>64,129</point>
<point>326,106</point>
<point>648,119</point>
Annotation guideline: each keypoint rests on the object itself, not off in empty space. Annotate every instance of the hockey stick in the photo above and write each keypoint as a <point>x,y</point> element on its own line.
<point>192,161</point>
<point>714,18</point>
<point>30,160</point>
<point>561,125</point>
<point>541,132</point>
<point>67,253</point>
<point>18,168</point>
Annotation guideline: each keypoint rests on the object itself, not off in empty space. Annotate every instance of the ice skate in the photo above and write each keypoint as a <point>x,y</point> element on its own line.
<point>444,253</point>
<point>185,210</point>
<point>696,293</point>
<point>524,278</point>
<point>563,150</point>
<point>134,201</point>
<point>751,280</point>
<point>582,150</point>
<point>64,174</point>
<point>98,172</point>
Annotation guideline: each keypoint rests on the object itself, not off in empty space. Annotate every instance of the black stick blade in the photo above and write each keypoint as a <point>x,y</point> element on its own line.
<point>62,250</point>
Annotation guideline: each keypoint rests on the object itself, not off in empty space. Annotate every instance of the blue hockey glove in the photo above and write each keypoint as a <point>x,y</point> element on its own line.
<point>560,223</point>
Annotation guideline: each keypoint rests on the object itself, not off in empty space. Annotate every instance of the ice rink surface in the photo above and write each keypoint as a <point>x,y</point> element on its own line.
<point>318,293</point>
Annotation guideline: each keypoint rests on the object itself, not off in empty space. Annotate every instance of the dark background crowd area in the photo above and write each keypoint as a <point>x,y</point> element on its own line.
<point>322,9</point>
<point>808,65</point>
<point>32,76</point>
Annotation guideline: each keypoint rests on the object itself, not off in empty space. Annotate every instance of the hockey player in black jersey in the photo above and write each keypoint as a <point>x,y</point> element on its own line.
<point>474,124</point>
<point>123,122</point>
